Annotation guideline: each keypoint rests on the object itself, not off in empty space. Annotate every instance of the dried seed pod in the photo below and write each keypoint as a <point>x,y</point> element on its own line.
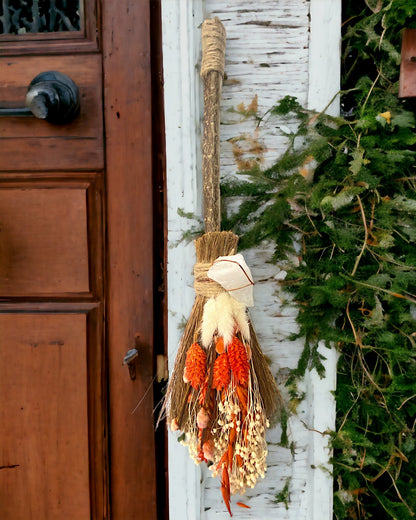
<point>174,425</point>
<point>219,345</point>
<point>208,448</point>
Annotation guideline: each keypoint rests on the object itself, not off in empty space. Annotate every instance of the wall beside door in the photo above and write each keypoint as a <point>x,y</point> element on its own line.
<point>274,49</point>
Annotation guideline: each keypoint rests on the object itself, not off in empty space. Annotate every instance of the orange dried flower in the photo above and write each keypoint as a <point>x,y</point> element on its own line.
<point>219,345</point>
<point>225,488</point>
<point>222,375</point>
<point>209,449</point>
<point>203,391</point>
<point>240,366</point>
<point>195,366</point>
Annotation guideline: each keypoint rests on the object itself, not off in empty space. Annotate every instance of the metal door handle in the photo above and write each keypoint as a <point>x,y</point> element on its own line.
<point>130,361</point>
<point>52,96</point>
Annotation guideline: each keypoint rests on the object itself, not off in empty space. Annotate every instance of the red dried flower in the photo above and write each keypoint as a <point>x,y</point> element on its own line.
<point>240,366</point>
<point>195,366</point>
<point>222,375</point>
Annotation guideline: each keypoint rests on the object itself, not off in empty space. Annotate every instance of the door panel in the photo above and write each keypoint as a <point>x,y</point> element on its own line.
<point>52,287</point>
<point>45,423</point>
<point>78,145</point>
<point>43,251</point>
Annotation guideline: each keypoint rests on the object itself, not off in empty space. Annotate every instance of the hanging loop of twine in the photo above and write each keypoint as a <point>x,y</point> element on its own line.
<point>202,284</point>
<point>213,47</point>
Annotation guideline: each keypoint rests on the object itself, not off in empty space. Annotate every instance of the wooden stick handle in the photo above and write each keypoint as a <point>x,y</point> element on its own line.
<point>212,72</point>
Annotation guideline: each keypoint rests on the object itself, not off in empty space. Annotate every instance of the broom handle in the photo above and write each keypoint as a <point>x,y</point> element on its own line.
<point>212,72</point>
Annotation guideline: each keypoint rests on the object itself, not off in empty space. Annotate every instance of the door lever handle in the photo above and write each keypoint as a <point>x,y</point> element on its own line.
<point>52,96</point>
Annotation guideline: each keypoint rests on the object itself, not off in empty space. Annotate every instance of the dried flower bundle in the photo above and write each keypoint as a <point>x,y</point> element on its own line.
<point>221,393</point>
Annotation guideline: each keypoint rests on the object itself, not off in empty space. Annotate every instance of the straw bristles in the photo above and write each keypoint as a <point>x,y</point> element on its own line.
<point>214,244</point>
<point>270,395</point>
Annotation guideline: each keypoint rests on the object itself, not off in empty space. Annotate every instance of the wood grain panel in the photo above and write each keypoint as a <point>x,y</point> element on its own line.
<point>43,417</point>
<point>19,71</point>
<point>57,42</point>
<point>43,241</point>
<point>128,99</point>
<point>77,145</point>
<point>50,154</point>
<point>86,125</point>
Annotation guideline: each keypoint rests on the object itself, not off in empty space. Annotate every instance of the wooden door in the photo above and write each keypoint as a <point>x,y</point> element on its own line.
<point>76,267</point>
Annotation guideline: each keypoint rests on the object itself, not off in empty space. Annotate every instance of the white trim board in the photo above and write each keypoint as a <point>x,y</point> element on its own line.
<point>181,53</point>
<point>324,84</point>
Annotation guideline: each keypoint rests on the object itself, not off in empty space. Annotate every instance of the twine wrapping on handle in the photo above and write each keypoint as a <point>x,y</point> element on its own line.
<point>213,47</point>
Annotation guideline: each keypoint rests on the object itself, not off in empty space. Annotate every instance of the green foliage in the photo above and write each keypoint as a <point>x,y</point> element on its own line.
<point>347,240</point>
<point>284,496</point>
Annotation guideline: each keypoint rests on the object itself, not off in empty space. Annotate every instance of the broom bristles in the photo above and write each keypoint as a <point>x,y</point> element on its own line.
<point>208,248</point>
<point>270,395</point>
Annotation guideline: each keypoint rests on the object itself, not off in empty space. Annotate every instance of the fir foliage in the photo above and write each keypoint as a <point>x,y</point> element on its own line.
<point>347,240</point>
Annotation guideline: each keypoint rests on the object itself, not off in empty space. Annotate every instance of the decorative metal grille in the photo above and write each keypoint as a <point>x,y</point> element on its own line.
<point>39,16</point>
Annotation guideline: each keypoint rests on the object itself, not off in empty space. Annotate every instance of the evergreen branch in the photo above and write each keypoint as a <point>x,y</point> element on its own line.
<point>376,288</point>
<point>365,237</point>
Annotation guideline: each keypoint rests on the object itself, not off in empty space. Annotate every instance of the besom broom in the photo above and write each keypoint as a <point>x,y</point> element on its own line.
<point>221,393</point>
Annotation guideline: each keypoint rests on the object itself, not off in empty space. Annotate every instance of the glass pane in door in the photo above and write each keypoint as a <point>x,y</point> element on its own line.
<point>39,16</point>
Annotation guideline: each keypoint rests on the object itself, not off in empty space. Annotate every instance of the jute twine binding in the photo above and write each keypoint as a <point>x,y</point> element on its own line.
<point>202,284</point>
<point>213,47</point>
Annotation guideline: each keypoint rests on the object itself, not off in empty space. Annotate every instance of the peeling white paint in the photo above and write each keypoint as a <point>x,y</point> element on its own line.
<point>274,48</point>
<point>181,52</point>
